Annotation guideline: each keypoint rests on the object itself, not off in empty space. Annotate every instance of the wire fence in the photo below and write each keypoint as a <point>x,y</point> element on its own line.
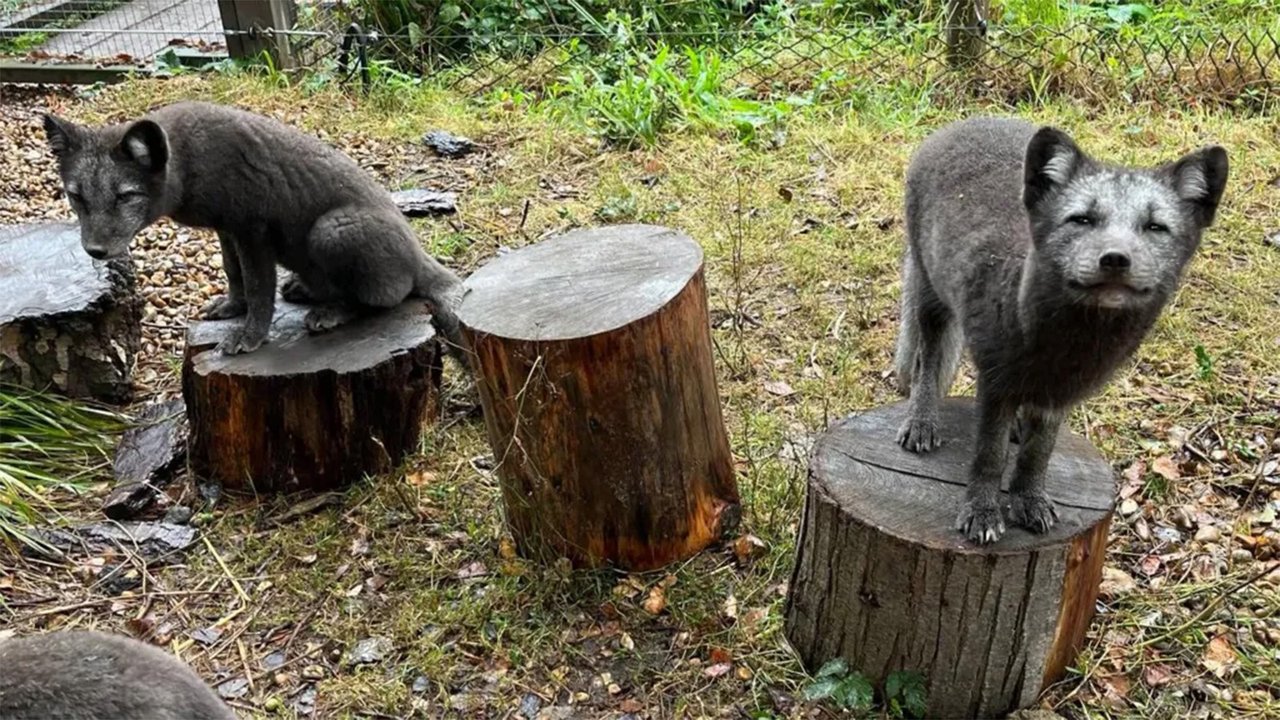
<point>1236,65</point>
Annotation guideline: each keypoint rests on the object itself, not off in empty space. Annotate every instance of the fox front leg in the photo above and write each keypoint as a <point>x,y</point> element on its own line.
<point>980,517</point>
<point>1032,508</point>
<point>233,303</point>
<point>258,274</point>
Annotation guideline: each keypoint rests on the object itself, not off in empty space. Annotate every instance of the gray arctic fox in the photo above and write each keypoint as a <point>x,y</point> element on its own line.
<point>86,675</point>
<point>1051,267</point>
<point>273,194</point>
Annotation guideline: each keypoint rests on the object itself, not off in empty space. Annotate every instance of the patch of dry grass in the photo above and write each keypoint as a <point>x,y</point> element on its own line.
<point>802,248</point>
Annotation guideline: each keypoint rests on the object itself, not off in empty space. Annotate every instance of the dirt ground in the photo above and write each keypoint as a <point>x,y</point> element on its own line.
<point>401,597</point>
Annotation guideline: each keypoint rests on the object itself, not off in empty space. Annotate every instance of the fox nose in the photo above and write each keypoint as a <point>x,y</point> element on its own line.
<point>96,253</point>
<point>1114,261</point>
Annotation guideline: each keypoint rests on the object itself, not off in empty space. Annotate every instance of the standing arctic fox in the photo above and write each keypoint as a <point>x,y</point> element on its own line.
<point>273,194</point>
<point>87,675</point>
<point>1051,267</point>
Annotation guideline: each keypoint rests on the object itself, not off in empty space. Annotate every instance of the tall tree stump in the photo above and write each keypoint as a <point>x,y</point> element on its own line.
<point>594,364</point>
<point>310,411</point>
<point>68,323</point>
<point>883,580</point>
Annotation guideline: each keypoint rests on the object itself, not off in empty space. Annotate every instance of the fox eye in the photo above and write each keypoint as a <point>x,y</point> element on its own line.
<point>130,196</point>
<point>1081,219</point>
<point>1157,227</point>
<point>76,198</point>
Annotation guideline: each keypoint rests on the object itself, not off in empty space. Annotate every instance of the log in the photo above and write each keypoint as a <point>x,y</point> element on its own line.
<point>883,580</point>
<point>68,323</point>
<point>146,459</point>
<point>310,411</point>
<point>594,365</point>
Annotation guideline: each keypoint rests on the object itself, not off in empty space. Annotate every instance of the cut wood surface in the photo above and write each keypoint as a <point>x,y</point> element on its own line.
<point>67,322</point>
<point>595,368</point>
<point>883,579</point>
<point>311,411</point>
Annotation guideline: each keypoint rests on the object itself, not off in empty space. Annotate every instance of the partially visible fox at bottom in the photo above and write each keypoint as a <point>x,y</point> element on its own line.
<point>89,675</point>
<point>1051,267</point>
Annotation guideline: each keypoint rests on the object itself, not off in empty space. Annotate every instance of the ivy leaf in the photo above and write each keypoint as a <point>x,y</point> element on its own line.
<point>854,693</point>
<point>907,689</point>
<point>820,689</point>
<point>832,668</point>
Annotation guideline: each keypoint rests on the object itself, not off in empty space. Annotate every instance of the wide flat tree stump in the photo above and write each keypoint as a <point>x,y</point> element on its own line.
<point>68,323</point>
<point>310,411</point>
<point>594,364</point>
<point>884,580</point>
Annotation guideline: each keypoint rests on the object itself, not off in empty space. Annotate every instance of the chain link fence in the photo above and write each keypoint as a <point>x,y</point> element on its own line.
<point>967,54</point>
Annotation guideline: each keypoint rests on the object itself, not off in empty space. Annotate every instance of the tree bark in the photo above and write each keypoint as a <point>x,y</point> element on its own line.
<point>884,580</point>
<point>594,363</point>
<point>68,323</point>
<point>310,412</point>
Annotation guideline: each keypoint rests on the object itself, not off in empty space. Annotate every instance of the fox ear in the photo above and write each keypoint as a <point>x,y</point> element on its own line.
<point>1199,179</point>
<point>1052,159</point>
<point>146,144</point>
<point>63,135</point>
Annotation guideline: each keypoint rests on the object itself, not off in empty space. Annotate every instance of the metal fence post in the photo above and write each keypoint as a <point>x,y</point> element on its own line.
<point>260,19</point>
<point>966,24</point>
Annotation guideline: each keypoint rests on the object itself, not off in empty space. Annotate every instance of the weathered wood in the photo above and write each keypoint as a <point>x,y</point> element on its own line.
<point>419,202</point>
<point>966,25</point>
<point>310,411</point>
<point>67,322</point>
<point>249,24</point>
<point>594,363</point>
<point>145,459</point>
<point>884,580</point>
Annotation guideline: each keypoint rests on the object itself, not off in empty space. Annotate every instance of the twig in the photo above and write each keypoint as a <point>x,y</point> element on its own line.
<point>1212,605</point>
<point>225,570</point>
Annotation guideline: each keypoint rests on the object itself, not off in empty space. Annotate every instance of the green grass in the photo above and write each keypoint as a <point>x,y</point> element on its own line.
<point>50,447</point>
<point>802,241</point>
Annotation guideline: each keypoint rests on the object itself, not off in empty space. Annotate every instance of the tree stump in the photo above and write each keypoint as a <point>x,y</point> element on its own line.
<point>311,412</point>
<point>68,323</point>
<point>594,364</point>
<point>884,580</point>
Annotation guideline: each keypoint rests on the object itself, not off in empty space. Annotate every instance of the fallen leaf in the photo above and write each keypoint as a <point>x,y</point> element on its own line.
<point>1115,689</point>
<point>667,581</point>
<point>747,547</point>
<point>1166,468</point>
<point>656,601</point>
<point>630,705</point>
<point>731,607</point>
<point>420,478</point>
<point>752,618</point>
<point>1116,582</point>
<point>506,549</point>
<point>1150,565</point>
<point>779,388</point>
<point>1157,675</point>
<point>1219,657</point>
<point>474,570</point>
<point>715,671</point>
<point>720,656</point>
<point>1133,478</point>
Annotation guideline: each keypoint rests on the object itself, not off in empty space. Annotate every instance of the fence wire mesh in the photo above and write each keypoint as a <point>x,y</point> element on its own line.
<point>131,32</point>
<point>1088,60</point>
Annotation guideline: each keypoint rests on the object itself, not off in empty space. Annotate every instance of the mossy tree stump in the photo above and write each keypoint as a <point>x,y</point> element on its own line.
<point>310,412</point>
<point>594,363</point>
<point>68,323</point>
<point>884,580</point>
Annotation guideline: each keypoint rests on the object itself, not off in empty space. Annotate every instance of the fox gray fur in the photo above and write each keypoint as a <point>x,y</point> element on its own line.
<point>86,675</point>
<point>273,194</point>
<point>1051,267</point>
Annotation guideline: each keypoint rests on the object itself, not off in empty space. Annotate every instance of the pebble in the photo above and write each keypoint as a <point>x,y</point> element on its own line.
<point>1128,507</point>
<point>1208,534</point>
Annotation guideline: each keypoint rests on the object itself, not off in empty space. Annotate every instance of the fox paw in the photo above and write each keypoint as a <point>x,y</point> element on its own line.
<point>324,319</point>
<point>1034,511</point>
<point>223,307</point>
<point>981,524</point>
<point>919,436</point>
<point>241,341</point>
